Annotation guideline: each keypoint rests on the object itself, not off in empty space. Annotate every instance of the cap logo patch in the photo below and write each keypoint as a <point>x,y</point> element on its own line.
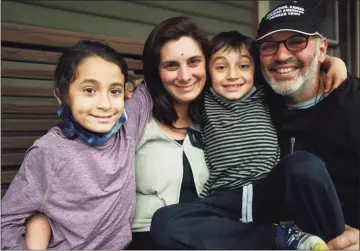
<point>285,11</point>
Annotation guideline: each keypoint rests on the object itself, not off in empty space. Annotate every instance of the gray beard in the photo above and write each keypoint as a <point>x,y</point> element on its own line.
<point>295,87</point>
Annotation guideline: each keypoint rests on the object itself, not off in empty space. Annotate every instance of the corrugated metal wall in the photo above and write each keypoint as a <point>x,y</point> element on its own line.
<point>129,19</point>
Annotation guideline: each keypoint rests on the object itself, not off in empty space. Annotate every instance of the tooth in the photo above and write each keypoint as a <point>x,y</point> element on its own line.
<point>285,70</point>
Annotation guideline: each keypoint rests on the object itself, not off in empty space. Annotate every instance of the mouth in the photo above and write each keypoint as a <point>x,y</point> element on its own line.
<point>186,87</point>
<point>283,72</point>
<point>103,119</point>
<point>232,87</point>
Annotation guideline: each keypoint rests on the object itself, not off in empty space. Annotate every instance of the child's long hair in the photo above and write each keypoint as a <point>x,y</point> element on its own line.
<point>69,61</point>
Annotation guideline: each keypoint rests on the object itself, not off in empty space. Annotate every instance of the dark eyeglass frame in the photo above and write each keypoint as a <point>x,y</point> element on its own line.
<point>285,43</point>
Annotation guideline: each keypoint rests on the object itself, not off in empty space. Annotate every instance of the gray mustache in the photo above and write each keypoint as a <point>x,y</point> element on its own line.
<point>290,61</point>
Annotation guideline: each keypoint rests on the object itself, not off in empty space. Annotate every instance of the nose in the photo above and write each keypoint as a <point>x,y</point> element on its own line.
<point>233,73</point>
<point>104,102</point>
<point>184,73</point>
<point>282,53</point>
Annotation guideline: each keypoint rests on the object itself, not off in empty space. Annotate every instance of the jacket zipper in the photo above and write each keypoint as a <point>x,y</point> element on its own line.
<point>292,145</point>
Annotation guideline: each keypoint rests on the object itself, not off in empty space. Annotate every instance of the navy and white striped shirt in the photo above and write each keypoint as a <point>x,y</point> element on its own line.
<point>240,141</point>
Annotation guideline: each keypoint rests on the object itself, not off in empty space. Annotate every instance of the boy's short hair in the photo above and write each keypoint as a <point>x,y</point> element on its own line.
<point>230,40</point>
<point>73,56</point>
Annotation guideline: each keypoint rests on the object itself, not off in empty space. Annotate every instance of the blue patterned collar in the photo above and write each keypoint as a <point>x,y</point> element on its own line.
<point>73,129</point>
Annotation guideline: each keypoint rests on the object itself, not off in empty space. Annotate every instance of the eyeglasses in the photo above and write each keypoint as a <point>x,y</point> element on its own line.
<point>295,43</point>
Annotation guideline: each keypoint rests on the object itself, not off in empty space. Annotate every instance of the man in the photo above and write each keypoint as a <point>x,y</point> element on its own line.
<point>291,48</point>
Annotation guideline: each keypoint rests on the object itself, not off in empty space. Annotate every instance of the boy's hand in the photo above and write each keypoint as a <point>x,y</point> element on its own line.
<point>349,240</point>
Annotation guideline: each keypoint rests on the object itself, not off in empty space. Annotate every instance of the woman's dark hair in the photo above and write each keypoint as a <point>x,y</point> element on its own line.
<point>169,30</point>
<point>69,61</point>
<point>234,40</point>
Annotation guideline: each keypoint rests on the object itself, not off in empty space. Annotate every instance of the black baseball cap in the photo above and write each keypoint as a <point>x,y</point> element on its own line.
<point>291,16</point>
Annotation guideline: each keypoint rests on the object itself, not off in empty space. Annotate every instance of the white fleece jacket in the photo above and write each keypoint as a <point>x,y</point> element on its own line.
<point>159,173</point>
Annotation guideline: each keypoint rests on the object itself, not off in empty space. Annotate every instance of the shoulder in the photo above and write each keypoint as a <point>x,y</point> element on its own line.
<point>347,95</point>
<point>51,144</point>
<point>45,153</point>
<point>151,132</point>
<point>353,86</point>
<point>54,138</point>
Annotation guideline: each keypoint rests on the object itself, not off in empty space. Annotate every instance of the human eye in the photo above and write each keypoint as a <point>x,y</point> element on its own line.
<point>171,66</point>
<point>268,45</point>
<point>117,91</point>
<point>220,67</point>
<point>89,90</point>
<point>194,61</point>
<point>244,66</point>
<point>296,41</point>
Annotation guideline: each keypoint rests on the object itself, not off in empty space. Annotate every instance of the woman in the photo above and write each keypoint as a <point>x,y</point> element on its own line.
<point>170,165</point>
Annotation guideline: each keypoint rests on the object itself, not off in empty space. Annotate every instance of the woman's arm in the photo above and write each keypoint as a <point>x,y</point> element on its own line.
<point>37,232</point>
<point>336,73</point>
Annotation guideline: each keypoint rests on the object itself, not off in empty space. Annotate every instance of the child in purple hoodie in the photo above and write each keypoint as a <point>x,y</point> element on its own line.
<point>81,173</point>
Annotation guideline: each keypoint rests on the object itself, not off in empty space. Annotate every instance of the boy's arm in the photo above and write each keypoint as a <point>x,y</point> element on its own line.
<point>336,73</point>
<point>24,197</point>
<point>37,232</point>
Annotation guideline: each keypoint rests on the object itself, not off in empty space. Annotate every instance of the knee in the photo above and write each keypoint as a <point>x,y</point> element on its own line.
<point>305,167</point>
<point>162,227</point>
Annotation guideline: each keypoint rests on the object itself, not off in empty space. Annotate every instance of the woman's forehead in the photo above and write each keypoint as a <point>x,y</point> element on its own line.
<point>184,47</point>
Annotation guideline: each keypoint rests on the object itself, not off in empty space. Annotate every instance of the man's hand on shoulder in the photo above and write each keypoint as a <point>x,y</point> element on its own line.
<point>349,240</point>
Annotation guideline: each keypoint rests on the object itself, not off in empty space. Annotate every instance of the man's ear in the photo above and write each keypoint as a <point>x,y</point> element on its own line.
<point>323,48</point>
<point>57,96</point>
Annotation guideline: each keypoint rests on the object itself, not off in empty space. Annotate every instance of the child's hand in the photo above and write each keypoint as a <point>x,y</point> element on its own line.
<point>37,232</point>
<point>131,87</point>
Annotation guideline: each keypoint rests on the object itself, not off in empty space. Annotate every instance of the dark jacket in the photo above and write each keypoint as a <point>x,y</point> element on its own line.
<point>331,131</point>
